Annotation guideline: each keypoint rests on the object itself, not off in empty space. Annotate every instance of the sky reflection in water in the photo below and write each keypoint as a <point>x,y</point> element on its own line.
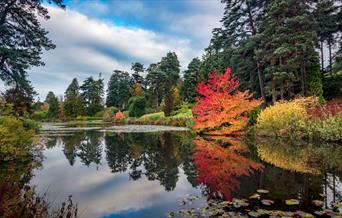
<point>112,174</point>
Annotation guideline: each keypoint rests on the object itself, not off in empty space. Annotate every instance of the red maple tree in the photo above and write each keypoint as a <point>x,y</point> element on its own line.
<point>221,109</point>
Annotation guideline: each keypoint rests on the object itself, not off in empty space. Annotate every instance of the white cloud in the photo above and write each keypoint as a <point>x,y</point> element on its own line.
<point>88,46</point>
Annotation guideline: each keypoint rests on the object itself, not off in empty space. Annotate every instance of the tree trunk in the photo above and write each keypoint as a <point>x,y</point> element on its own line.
<point>261,84</point>
<point>303,80</point>
<point>281,90</point>
<point>274,94</point>
<point>330,57</point>
<point>322,56</point>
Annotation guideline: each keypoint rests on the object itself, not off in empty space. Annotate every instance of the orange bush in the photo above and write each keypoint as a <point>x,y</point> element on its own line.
<point>221,109</point>
<point>119,115</point>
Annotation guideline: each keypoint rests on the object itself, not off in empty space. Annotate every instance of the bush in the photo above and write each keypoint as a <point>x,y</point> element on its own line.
<point>285,115</point>
<point>253,115</point>
<point>15,140</point>
<point>108,115</point>
<point>137,106</point>
<point>31,124</point>
<point>39,115</point>
<point>329,129</point>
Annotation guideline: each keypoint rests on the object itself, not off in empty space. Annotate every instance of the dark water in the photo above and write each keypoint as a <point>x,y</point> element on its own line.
<point>125,173</point>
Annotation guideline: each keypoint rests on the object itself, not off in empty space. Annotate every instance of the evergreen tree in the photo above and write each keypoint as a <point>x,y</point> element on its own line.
<point>92,93</point>
<point>155,79</point>
<point>191,79</point>
<point>118,89</point>
<point>22,40</point>
<point>287,47</point>
<point>138,68</point>
<point>52,100</point>
<point>73,103</point>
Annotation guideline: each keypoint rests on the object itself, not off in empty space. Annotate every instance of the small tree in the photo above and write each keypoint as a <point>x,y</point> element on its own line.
<point>221,109</point>
<point>137,106</point>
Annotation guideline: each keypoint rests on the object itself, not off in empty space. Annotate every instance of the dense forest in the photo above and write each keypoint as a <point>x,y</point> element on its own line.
<point>277,49</point>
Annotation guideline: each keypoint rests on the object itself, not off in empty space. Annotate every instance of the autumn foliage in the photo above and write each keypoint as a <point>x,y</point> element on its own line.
<point>219,168</point>
<point>221,109</point>
<point>119,115</point>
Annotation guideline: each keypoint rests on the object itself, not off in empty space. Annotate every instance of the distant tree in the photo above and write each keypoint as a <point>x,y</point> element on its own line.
<point>155,79</point>
<point>118,89</point>
<point>138,68</point>
<point>52,100</point>
<point>21,99</point>
<point>73,101</point>
<point>136,90</point>
<point>92,93</point>
<point>191,79</point>
<point>22,40</point>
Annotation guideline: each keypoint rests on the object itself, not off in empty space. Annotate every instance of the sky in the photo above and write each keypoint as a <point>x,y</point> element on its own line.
<point>98,36</point>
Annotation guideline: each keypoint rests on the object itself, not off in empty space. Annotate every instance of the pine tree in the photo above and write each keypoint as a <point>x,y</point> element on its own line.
<point>73,103</point>
<point>22,40</point>
<point>191,79</point>
<point>92,93</point>
<point>52,100</point>
<point>118,89</point>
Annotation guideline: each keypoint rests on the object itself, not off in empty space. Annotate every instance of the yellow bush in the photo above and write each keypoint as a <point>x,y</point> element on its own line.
<point>285,115</point>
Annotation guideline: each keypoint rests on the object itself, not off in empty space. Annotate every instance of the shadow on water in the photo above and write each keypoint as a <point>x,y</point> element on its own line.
<point>125,174</point>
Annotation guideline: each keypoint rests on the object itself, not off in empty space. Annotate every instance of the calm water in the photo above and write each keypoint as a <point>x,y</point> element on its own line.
<point>144,171</point>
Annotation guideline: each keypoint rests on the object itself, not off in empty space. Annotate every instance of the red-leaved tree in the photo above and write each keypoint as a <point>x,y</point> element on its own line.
<point>221,109</point>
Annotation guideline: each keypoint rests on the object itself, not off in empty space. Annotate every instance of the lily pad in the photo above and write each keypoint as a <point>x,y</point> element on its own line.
<point>254,196</point>
<point>317,203</point>
<point>263,191</point>
<point>267,202</point>
<point>291,202</point>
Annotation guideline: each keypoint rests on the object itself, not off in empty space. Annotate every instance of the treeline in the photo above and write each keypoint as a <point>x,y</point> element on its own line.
<point>133,92</point>
<point>277,47</point>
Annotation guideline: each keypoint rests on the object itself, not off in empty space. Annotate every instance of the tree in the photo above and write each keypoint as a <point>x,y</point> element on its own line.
<point>118,89</point>
<point>20,99</point>
<point>221,109</point>
<point>161,77</point>
<point>22,40</point>
<point>92,93</point>
<point>52,100</point>
<point>138,68</point>
<point>155,79</point>
<point>137,106</point>
<point>73,103</point>
<point>287,47</point>
<point>191,79</point>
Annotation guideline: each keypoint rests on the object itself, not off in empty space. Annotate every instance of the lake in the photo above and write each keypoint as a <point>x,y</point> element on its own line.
<point>150,171</point>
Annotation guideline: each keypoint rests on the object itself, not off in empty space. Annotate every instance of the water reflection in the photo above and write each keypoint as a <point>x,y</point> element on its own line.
<point>145,174</point>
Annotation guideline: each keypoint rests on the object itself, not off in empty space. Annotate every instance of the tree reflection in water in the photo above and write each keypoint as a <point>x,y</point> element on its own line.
<point>219,168</point>
<point>224,167</point>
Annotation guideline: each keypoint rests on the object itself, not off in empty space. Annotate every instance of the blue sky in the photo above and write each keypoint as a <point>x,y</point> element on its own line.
<point>94,36</point>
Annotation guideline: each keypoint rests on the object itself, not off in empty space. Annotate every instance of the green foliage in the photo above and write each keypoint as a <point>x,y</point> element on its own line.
<point>137,106</point>
<point>191,79</point>
<point>15,139</point>
<point>22,41</point>
<point>316,86</point>
<point>73,103</point>
<point>52,100</point>
<point>31,124</point>
<point>329,129</point>
<point>39,115</point>
<point>118,89</point>
<point>92,93</point>
<point>332,86</point>
<point>253,115</point>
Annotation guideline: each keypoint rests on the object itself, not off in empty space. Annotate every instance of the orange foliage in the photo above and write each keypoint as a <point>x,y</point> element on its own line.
<point>119,115</point>
<point>219,168</point>
<point>221,110</point>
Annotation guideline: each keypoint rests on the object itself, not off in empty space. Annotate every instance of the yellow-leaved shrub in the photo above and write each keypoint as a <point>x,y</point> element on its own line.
<point>285,116</point>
